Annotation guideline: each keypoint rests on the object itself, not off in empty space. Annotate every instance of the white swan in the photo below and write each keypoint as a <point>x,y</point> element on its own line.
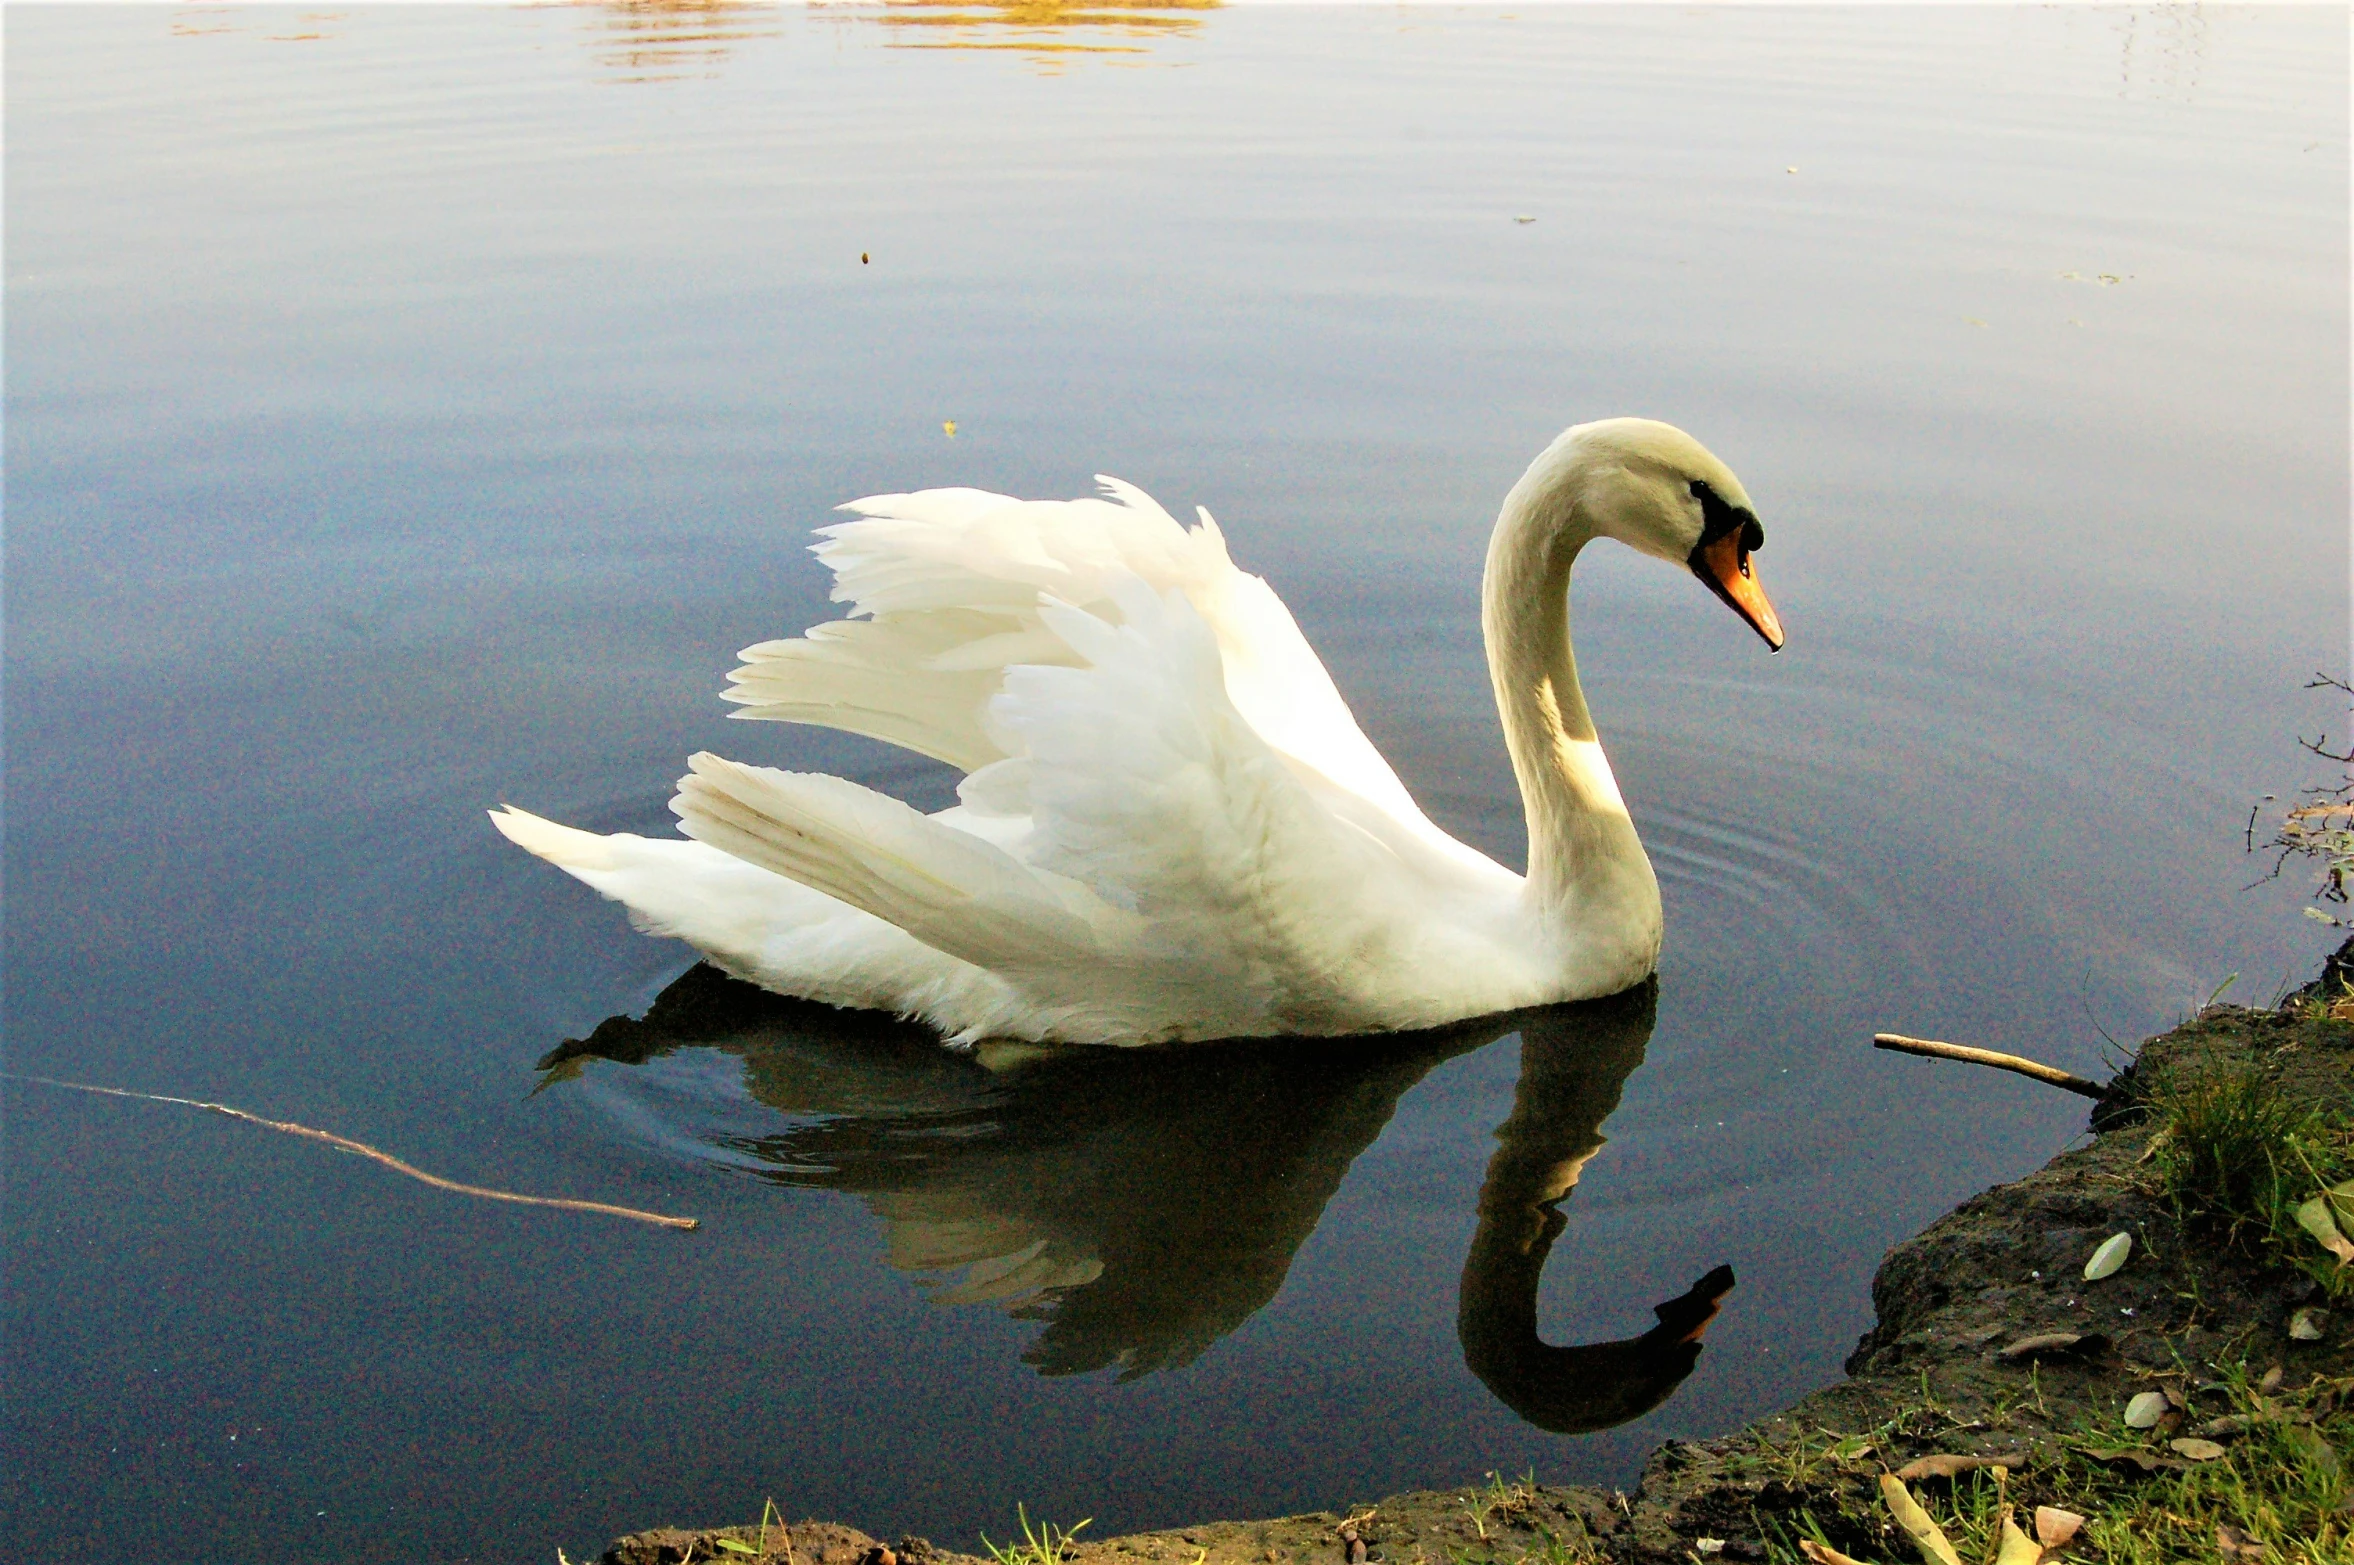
<point>1169,824</point>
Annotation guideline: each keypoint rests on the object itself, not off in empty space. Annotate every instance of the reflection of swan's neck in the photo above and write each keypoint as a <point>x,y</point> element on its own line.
<point>1573,1063</point>
<point>1586,867</point>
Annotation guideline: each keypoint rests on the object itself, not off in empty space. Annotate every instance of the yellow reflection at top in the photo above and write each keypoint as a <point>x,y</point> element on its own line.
<point>667,40</point>
<point>1044,28</point>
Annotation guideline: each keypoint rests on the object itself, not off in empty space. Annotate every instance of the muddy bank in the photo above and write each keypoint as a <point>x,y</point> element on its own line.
<point>1989,1342</point>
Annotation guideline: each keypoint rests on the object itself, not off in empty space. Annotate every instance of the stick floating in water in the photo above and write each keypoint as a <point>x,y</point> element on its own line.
<point>2050,1075</point>
<point>346,1144</point>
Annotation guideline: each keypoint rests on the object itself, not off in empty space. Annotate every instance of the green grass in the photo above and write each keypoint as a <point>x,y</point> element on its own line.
<point>2236,1155</point>
<point>2283,1481</point>
<point>1046,1544</point>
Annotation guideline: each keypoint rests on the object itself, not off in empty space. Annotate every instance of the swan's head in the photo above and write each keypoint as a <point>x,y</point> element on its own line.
<point>1656,489</point>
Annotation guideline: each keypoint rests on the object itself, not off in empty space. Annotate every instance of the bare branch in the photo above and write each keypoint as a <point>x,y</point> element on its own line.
<point>346,1144</point>
<point>2049,1075</point>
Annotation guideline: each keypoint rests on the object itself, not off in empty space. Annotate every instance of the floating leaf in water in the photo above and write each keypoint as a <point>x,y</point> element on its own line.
<point>2196,1449</point>
<point>2055,1527</point>
<point>2109,1257</point>
<point>949,424</point>
<point>2306,1324</point>
<point>2144,1411</point>
<point>1927,1536</point>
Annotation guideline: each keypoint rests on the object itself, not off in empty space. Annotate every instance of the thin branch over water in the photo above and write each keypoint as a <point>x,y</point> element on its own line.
<point>346,1144</point>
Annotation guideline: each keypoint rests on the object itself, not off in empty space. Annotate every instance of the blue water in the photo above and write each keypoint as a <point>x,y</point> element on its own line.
<point>409,409</point>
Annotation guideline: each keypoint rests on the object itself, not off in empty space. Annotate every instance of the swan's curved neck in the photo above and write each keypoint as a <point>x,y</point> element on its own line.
<point>1586,867</point>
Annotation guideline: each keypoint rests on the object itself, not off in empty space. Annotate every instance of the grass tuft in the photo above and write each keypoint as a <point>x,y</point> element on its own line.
<point>1046,1544</point>
<point>2236,1155</point>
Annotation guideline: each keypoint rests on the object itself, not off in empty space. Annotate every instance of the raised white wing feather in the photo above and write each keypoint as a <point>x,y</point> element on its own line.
<point>946,588</point>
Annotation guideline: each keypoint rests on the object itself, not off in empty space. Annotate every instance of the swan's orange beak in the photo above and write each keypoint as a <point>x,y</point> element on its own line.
<point>1723,563</point>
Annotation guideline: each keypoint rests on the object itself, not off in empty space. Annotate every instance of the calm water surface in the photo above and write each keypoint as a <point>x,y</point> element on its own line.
<point>413,409</point>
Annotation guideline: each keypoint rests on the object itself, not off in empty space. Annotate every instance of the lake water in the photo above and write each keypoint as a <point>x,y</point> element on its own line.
<point>410,409</point>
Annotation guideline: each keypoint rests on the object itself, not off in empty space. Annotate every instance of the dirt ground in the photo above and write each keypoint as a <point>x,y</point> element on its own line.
<point>1953,1366</point>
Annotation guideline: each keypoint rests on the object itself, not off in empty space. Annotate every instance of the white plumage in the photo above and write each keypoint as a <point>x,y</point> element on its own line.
<point>1169,825</point>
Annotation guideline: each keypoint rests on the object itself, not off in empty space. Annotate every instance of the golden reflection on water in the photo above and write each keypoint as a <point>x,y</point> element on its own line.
<point>671,40</point>
<point>1042,28</point>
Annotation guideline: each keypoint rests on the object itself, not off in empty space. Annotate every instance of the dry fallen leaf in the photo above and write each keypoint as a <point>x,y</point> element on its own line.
<point>2125,1455</point>
<point>1927,1536</point>
<point>1944,1465</point>
<point>2234,1544</point>
<point>2306,1325</point>
<point>2110,1256</point>
<point>2054,1528</point>
<point>2271,1381</point>
<point>1824,1554</point>
<point>2046,1342</point>
<point>2144,1411</point>
<point>2319,1217</point>
<point>2196,1449</point>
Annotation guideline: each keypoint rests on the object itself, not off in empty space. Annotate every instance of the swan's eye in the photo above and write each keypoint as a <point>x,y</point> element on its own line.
<point>1717,518</point>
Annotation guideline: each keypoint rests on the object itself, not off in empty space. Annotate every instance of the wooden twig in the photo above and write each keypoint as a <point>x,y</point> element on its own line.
<point>2049,1075</point>
<point>346,1144</point>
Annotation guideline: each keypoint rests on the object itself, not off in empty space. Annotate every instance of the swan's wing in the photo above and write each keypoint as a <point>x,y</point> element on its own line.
<point>1155,856</point>
<point>1145,784</point>
<point>947,588</point>
<point>952,890</point>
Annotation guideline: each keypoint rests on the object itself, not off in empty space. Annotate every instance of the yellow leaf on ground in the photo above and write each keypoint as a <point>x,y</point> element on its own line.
<point>1945,1465</point>
<point>2111,1255</point>
<point>2318,1218</point>
<point>1927,1536</point>
<point>1824,1554</point>
<point>2017,1548</point>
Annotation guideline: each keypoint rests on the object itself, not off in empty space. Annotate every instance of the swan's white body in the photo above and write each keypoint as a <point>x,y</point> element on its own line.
<point>1169,825</point>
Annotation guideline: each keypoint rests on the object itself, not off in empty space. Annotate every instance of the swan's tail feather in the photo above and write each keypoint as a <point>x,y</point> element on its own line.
<point>688,890</point>
<point>568,849</point>
<point>949,889</point>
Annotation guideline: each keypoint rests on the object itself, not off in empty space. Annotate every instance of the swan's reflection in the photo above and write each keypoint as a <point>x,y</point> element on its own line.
<point>1142,1203</point>
<point>1574,1062</point>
